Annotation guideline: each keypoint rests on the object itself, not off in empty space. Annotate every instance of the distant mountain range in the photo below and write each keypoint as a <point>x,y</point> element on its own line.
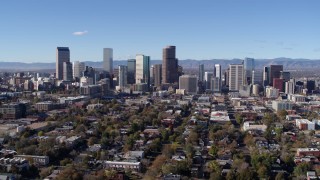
<point>289,64</point>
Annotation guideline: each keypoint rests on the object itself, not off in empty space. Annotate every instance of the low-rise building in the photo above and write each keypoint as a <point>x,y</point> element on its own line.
<point>249,125</point>
<point>301,152</point>
<point>305,124</point>
<point>123,165</point>
<point>281,105</point>
<point>38,160</point>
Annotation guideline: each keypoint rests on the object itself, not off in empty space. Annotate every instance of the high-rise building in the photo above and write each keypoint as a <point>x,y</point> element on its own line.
<point>310,85</point>
<point>188,83</point>
<point>266,76</point>
<point>278,84</point>
<point>289,87</point>
<point>67,71</point>
<point>131,71</point>
<point>257,77</point>
<point>218,73</point>
<point>77,69</point>
<point>235,76</point>
<point>90,73</point>
<point>285,75</point>
<point>62,55</point>
<point>169,65</point>
<point>201,72</point>
<point>143,69</point>
<point>275,72</point>
<point>207,79</point>
<point>215,84</point>
<point>248,66</point>
<point>108,60</point>
<point>157,74</point>
<point>123,70</point>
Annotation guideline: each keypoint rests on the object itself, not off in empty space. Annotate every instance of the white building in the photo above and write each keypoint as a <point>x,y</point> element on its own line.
<point>142,69</point>
<point>289,87</point>
<point>78,68</point>
<point>281,105</point>
<point>272,92</point>
<point>252,126</point>
<point>108,60</point>
<point>235,76</point>
<point>305,124</point>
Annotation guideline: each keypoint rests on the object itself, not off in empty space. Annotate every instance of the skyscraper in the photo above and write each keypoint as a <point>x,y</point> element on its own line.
<point>275,72</point>
<point>108,60</point>
<point>235,76</point>
<point>131,71</point>
<point>207,79</point>
<point>188,83</point>
<point>123,70</point>
<point>257,77</point>
<point>266,76</point>
<point>169,65</point>
<point>218,74</point>
<point>143,69</point>
<point>77,69</point>
<point>201,72</point>
<point>285,75</point>
<point>248,66</point>
<point>62,55</point>
<point>67,71</point>
<point>157,74</point>
<point>215,84</point>
<point>289,87</point>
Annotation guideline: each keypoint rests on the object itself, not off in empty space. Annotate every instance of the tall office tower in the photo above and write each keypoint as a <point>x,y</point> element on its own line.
<point>266,76</point>
<point>289,87</point>
<point>201,72</point>
<point>67,71</point>
<point>207,79</point>
<point>169,65</point>
<point>90,73</point>
<point>257,77</point>
<point>285,75</point>
<point>310,85</point>
<point>216,84</point>
<point>131,71</point>
<point>248,66</point>
<point>152,74</point>
<point>157,74</point>
<point>62,55</point>
<point>188,83</point>
<point>218,71</point>
<point>123,70</point>
<point>78,68</point>
<point>235,76</point>
<point>143,69</point>
<point>226,77</point>
<point>108,60</point>
<point>278,84</point>
<point>275,72</point>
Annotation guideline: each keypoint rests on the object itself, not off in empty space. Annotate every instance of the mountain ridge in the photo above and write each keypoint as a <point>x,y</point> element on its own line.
<point>288,63</point>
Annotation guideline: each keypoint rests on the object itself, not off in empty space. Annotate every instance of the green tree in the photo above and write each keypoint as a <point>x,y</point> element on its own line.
<point>213,151</point>
<point>280,176</point>
<point>301,169</point>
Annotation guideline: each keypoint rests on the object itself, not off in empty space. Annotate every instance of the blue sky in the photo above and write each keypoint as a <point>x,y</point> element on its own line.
<point>201,29</point>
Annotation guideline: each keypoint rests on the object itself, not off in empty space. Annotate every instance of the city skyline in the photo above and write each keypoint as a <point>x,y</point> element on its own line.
<point>205,30</point>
